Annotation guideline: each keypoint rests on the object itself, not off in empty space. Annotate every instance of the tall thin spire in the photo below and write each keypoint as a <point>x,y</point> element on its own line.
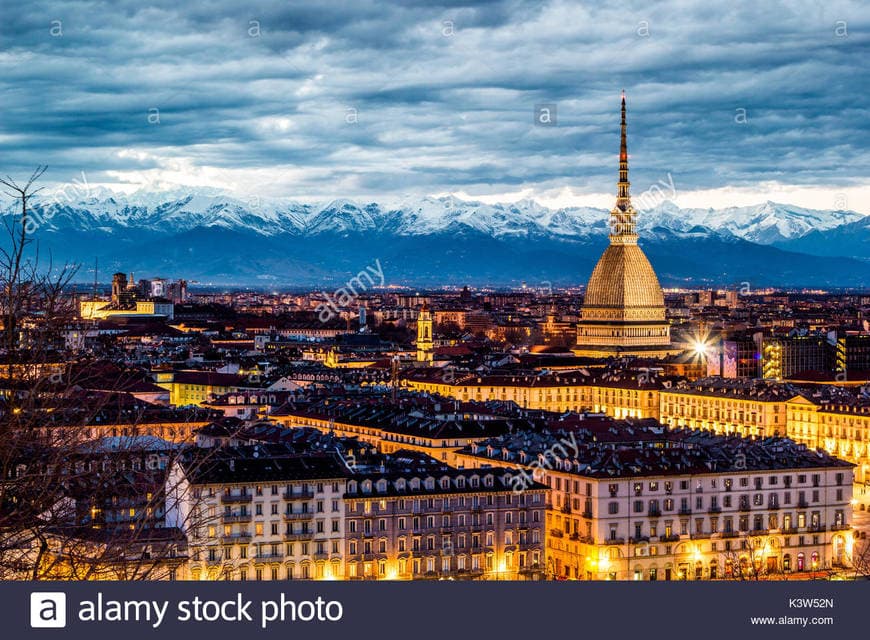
<point>623,199</point>
<point>623,216</point>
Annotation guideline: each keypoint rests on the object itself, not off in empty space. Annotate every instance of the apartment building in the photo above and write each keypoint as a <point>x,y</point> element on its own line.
<point>629,394</point>
<point>260,512</point>
<point>840,426</point>
<point>422,428</point>
<point>680,504</point>
<point>728,406</point>
<point>445,524</point>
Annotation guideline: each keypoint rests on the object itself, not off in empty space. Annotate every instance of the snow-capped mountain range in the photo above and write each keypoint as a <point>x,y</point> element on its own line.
<point>204,233</point>
<point>173,212</point>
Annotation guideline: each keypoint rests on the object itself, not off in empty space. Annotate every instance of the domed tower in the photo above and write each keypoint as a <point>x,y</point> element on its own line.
<point>623,311</point>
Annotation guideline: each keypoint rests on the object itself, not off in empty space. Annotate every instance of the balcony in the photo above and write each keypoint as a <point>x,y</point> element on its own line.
<point>244,498</point>
<point>638,539</point>
<point>587,514</point>
<point>773,507</point>
<point>654,513</point>
<point>714,509</point>
<point>669,538</point>
<point>613,541</point>
<point>556,533</point>
<point>819,528</point>
<point>299,515</point>
<point>566,508</point>
<point>305,494</point>
<point>294,537</point>
<point>744,506</point>
<point>230,518</point>
<point>803,504</point>
<point>730,534</point>
<point>234,538</point>
<point>685,511</point>
<point>789,530</point>
<point>758,532</point>
<point>840,527</point>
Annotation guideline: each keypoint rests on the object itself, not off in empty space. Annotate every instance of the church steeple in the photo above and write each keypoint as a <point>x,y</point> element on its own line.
<point>623,216</point>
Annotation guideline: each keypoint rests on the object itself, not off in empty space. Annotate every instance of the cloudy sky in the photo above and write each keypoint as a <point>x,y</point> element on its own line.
<point>734,102</point>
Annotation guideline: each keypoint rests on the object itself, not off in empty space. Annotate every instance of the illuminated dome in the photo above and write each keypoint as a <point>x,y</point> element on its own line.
<point>623,286</point>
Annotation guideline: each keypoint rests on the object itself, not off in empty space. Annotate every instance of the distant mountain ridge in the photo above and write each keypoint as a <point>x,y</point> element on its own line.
<point>209,236</point>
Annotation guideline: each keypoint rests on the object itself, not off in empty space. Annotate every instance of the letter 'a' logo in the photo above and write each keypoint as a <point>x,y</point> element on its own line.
<point>48,610</point>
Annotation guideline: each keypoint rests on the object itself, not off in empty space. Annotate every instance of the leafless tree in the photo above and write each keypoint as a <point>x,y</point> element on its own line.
<point>747,561</point>
<point>860,559</point>
<point>57,480</point>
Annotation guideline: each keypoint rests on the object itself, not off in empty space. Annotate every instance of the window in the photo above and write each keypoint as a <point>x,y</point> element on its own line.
<point>613,507</point>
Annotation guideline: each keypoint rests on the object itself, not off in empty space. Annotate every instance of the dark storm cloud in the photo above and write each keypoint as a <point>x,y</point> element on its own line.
<point>374,97</point>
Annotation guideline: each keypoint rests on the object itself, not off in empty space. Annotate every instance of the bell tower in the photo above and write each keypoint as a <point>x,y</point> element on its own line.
<point>425,342</point>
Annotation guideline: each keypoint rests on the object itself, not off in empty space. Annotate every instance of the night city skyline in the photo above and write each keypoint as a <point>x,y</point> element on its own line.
<point>492,292</point>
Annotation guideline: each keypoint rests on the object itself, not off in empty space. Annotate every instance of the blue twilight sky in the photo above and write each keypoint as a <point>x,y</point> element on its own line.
<point>739,102</point>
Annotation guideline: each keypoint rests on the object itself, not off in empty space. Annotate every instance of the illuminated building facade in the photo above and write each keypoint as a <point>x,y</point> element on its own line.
<point>728,408</point>
<point>199,387</point>
<point>840,428</point>
<point>456,524</point>
<point>785,357</point>
<point>626,395</point>
<point>390,430</point>
<point>251,516</point>
<point>685,506</point>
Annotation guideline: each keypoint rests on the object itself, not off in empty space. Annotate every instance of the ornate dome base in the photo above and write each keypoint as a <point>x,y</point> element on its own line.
<point>624,308</point>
